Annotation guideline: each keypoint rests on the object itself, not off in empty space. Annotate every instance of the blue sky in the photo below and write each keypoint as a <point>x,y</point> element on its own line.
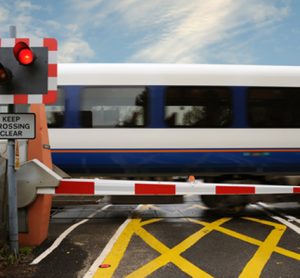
<point>162,31</point>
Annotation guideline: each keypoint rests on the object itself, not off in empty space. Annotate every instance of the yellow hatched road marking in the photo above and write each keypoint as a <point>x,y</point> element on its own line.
<point>279,250</point>
<point>135,226</point>
<point>163,259</point>
<point>255,266</point>
<point>119,248</point>
<point>118,251</point>
<point>150,221</point>
<point>265,222</point>
<point>287,253</point>
<point>266,247</point>
<point>173,255</point>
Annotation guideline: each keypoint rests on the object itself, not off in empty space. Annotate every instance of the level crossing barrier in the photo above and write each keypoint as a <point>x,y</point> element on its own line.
<point>132,187</point>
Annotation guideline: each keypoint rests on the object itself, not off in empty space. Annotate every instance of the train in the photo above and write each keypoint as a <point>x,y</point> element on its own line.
<point>216,122</point>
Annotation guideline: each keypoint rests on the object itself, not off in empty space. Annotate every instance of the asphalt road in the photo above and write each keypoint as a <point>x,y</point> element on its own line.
<point>182,240</point>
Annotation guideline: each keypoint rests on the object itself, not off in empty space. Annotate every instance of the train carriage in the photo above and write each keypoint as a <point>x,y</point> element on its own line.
<point>176,120</point>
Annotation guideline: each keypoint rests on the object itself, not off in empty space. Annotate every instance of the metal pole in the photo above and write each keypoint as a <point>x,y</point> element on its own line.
<point>11,182</point>
<point>12,31</point>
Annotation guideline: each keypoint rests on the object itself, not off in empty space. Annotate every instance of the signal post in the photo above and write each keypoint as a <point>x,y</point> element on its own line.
<point>28,75</point>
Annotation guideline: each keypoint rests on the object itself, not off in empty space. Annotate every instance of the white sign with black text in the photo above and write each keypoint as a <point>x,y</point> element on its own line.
<point>17,126</point>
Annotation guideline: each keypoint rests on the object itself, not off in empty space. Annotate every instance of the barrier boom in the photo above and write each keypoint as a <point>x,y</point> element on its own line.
<point>130,188</point>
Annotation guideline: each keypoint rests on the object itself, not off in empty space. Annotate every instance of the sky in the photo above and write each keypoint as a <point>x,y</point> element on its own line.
<point>261,32</point>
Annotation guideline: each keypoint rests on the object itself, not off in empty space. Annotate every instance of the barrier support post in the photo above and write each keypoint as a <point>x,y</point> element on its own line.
<point>39,210</point>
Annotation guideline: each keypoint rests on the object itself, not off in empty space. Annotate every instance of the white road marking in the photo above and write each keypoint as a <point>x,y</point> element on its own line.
<point>58,241</point>
<point>94,267</point>
<point>263,207</point>
<point>288,224</point>
<point>147,207</point>
<point>138,207</point>
<point>293,218</point>
<point>91,272</point>
<point>196,206</point>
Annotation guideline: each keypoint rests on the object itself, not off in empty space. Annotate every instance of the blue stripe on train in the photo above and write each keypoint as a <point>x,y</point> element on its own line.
<point>177,163</point>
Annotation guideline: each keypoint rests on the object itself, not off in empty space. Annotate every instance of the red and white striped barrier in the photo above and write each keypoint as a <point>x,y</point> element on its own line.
<point>124,187</point>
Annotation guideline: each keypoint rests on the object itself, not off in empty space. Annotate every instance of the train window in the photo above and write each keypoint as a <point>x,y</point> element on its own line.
<point>56,112</point>
<point>274,107</point>
<point>198,107</point>
<point>113,107</point>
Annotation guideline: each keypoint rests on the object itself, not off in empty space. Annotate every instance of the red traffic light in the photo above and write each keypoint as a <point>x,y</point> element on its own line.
<point>23,53</point>
<point>5,75</point>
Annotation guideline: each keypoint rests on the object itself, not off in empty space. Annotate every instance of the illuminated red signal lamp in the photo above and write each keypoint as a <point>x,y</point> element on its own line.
<point>23,53</point>
<point>5,75</point>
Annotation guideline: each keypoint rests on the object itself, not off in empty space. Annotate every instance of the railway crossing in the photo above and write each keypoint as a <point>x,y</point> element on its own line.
<point>183,240</point>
